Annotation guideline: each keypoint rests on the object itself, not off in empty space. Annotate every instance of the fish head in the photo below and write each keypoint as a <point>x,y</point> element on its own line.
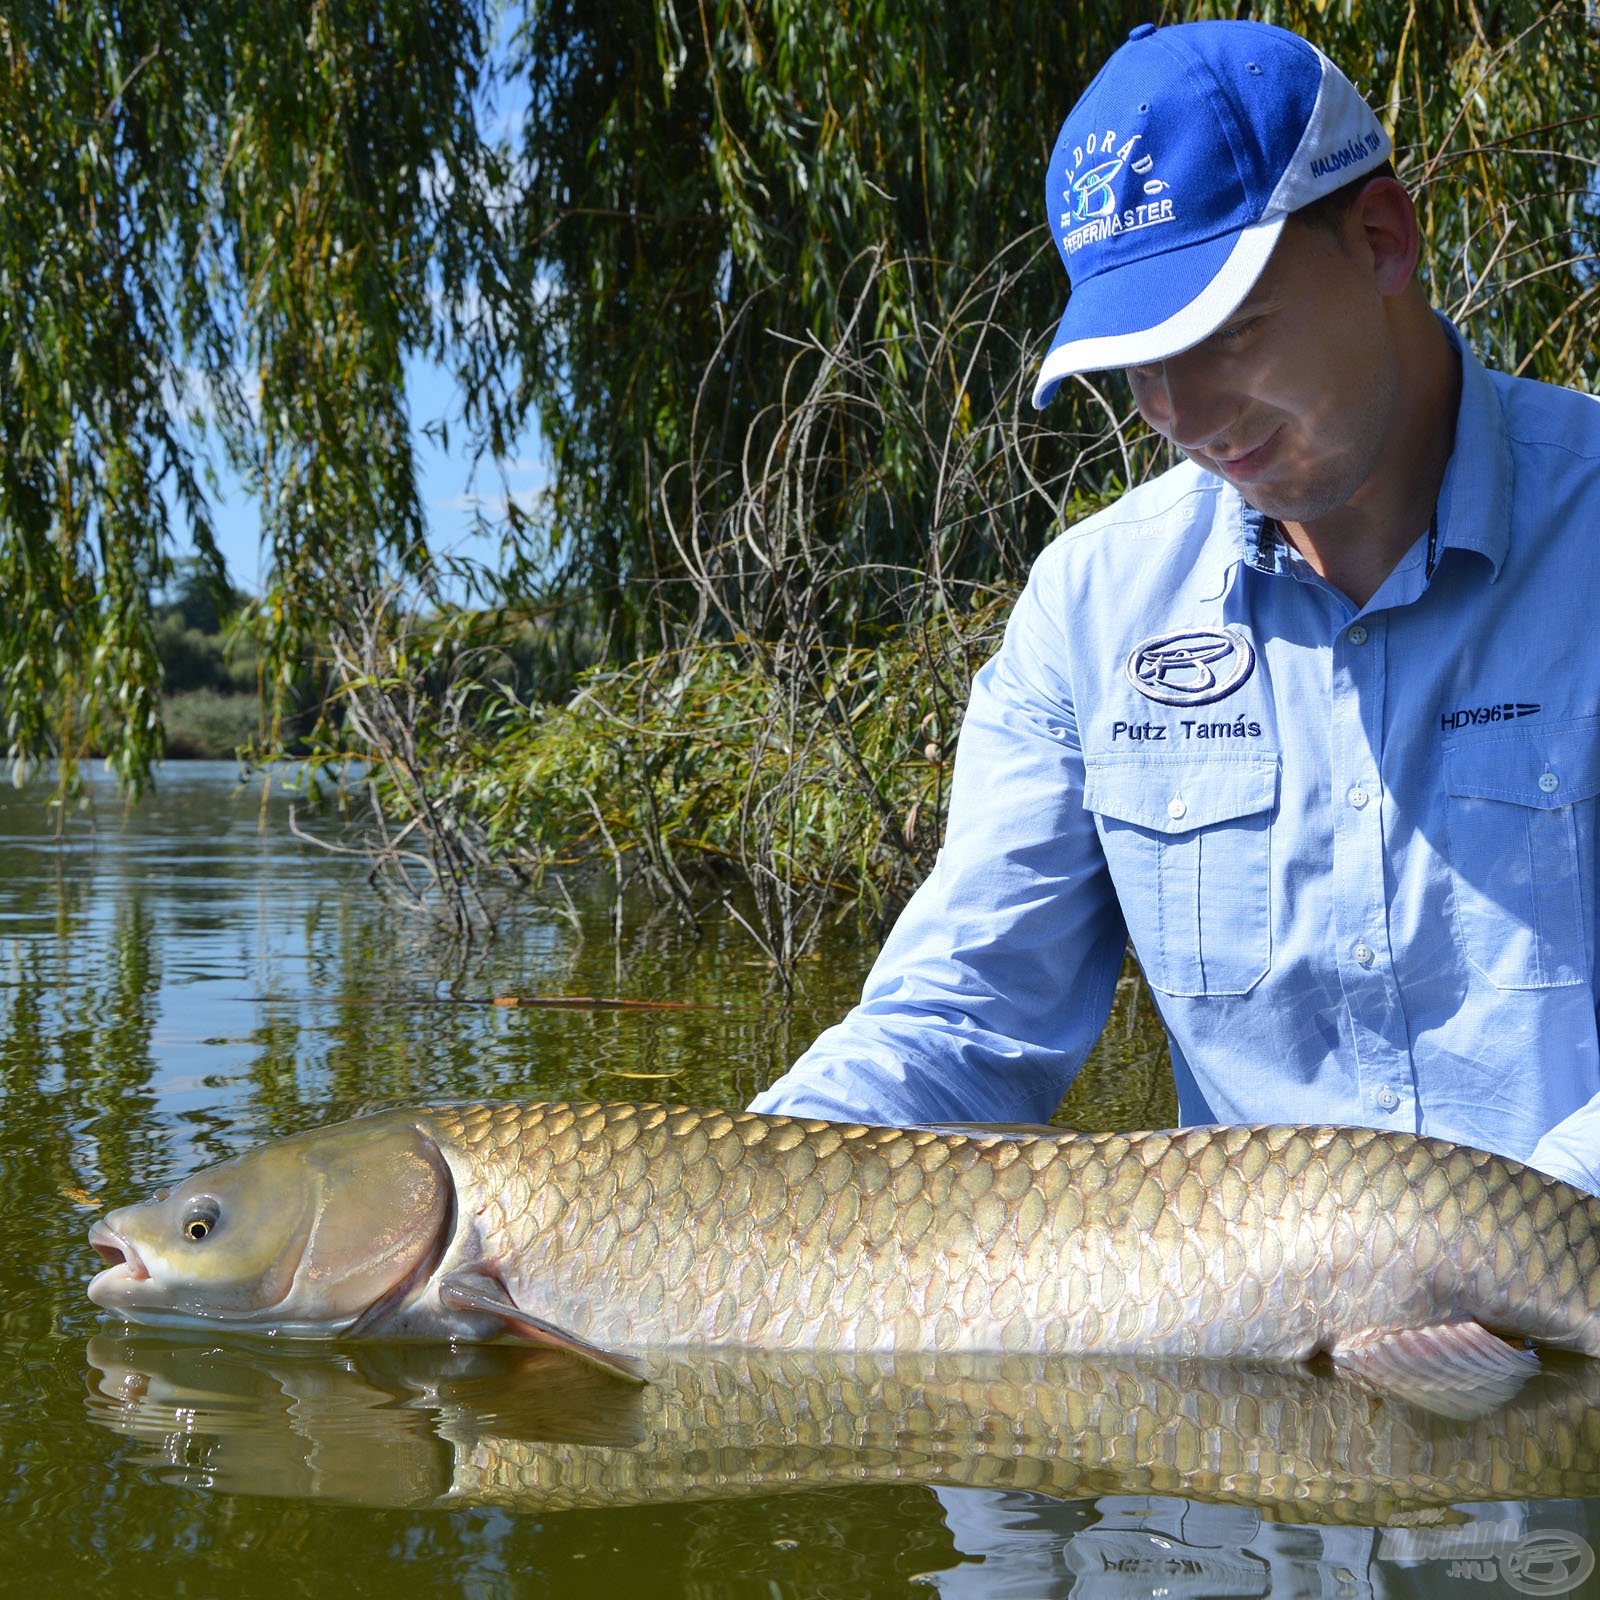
<point>306,1235</point>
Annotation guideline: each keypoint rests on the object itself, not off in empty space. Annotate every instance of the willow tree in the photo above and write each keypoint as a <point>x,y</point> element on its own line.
<point>248,212</point>
<point>696,168</point>
<point>258,210</point>
<point>711,186</point>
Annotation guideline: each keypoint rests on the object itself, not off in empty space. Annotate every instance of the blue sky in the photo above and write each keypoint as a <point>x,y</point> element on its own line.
<point>446,482</point>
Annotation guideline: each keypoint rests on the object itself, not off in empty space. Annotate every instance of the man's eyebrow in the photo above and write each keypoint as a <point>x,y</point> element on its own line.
<point>1252,304</point>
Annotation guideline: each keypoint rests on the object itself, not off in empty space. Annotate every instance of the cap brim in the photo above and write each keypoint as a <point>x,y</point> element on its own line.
<point>1152,307</point>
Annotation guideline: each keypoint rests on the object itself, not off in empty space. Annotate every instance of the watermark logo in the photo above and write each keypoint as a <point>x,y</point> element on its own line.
<point>1550,1561</point>
<point>1192,667</point>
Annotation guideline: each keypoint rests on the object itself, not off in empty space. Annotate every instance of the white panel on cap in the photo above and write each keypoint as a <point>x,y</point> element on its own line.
<point>1339,118</point>
<point>1196,321</point>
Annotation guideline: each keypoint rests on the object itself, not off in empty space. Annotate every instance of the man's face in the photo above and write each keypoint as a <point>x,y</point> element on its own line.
<point>1293,398</point>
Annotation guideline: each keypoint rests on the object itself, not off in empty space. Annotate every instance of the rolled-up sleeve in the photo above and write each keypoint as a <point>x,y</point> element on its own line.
<point>998,976</point>
<point>1571,1149</point>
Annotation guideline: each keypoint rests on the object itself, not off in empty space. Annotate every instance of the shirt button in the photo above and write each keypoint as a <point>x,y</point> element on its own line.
<point>1357,634</point>
<point>1358,797</point>
<point>1549,782</point>
<point>1362,955</point>
<point>1387,1098</point>
<point>1176,807</point>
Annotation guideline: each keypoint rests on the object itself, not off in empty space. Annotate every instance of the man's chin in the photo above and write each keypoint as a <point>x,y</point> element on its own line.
<point>1268,495</point>
<point>1286,502</point>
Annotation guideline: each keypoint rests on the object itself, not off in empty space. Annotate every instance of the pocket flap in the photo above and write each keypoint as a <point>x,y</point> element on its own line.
<point>1545,765</point>
<point>1178,793</point>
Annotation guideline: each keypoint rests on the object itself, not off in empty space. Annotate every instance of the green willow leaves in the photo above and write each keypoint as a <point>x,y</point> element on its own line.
<point>241,211</point>
<point>707,225</point>
<point>722,192</point>
<point>714,188</point>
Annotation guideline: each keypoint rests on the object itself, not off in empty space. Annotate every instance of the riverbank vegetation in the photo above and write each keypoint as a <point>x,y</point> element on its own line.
<point>210,669</point>
<point>772,283</point>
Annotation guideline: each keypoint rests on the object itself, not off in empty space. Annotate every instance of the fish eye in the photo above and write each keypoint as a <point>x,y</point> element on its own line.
<point>199,1220</point>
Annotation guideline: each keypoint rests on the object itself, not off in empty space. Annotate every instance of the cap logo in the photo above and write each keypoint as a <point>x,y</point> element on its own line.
<point>1191,667</point>
<point>1091,214</point>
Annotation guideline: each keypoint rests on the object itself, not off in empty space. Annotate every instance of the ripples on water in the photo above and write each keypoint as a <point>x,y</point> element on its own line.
<point>181,981</point>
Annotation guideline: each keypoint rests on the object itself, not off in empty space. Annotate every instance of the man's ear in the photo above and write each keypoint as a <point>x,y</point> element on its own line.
<point>1383,221</point>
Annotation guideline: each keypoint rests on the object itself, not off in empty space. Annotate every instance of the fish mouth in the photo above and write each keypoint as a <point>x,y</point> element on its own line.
<point>123,1265</point>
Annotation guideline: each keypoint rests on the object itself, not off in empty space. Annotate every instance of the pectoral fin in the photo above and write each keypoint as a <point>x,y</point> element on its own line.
<point>1456,1369</point>
<point>472,1291</point>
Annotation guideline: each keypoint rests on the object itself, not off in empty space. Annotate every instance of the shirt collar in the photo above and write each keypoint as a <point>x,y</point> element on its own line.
<point>1475,497</point>
<point>1261,544</point>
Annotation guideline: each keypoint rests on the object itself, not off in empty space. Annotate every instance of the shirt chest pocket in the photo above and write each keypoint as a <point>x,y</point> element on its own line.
<point>1189,843</point>
<point>1520,807</point>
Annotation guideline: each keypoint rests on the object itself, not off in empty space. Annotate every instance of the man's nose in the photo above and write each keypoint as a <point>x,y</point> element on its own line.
<point>1181,401</point>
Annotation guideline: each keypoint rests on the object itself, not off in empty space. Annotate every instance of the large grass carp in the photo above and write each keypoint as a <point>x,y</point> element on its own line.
<point>613,1230</point>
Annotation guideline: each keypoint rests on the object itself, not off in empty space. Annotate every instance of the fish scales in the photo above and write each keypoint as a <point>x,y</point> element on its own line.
<point>1271,1241</point>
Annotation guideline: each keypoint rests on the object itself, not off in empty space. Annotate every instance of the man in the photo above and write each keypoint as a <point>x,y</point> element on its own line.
<point>1312,718</point>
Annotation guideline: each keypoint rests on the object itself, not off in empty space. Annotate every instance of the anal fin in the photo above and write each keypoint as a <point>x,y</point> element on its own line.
<point>1454,1369</point>
<point>472,1291</point>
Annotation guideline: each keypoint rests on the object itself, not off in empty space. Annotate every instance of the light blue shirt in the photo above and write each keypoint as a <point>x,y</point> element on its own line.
<point>1356,858</point>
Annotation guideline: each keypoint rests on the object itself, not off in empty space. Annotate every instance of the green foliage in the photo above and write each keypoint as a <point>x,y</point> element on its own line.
<point>199,643</point>
<point>241,208</point>
<point>191,659</point>
<point>717,188</point>
<point>769,276</point>
<point>92,111</point>
<point>195,600</point>
<point>203,725</point>
<point>719,192</point>
<point>701,762</point>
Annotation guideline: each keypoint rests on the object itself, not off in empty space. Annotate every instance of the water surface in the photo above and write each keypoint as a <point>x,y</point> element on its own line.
<point>183,979</point>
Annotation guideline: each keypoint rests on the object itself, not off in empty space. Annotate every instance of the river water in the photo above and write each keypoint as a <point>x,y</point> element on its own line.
<point>183,979</point>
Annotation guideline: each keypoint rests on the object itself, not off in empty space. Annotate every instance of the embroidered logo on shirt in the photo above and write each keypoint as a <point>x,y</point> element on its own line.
<point>1191,667</point>
<point>1477,716</point>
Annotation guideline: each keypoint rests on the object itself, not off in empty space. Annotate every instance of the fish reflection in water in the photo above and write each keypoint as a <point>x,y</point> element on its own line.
<point>532,1430</point>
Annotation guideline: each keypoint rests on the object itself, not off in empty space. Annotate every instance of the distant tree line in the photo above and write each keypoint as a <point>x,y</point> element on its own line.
<point>768,275</point>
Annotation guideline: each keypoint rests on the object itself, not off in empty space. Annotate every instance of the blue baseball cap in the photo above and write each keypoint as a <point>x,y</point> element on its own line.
<point>1172,177</point>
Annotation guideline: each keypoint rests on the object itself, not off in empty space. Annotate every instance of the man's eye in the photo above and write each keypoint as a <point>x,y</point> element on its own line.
<point>1235,331</point>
